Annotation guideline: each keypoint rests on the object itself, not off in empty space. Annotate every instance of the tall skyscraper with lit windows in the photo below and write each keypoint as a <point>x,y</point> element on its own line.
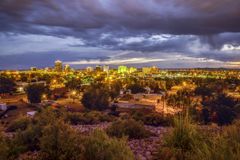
<point>58,66</point>
<point>106,68</point>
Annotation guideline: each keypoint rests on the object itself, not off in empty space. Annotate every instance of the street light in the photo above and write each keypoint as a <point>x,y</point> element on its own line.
<point>73,93</point>
<point>184,83</point>
<point>20,89</point>
<point>44,96</point>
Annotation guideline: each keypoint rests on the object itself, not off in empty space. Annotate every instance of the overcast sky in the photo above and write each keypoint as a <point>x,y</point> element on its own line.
<point>166,33</point>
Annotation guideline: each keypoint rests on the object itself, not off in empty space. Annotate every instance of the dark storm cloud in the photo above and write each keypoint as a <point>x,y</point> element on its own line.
<point>190,27</point>
<point>172,17</point>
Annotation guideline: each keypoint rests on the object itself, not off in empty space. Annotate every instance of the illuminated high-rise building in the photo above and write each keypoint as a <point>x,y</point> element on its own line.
<point>106,68</point>
<point>150,70</point>
<point>146,70</point>
<point>67,68</point>
<point>89,69</point>
<point>33,68</point>
<point>155,69</point>
<point>58,66</point>
<point>132,69</point>
<point>122,69</point>
<point>98,68</point>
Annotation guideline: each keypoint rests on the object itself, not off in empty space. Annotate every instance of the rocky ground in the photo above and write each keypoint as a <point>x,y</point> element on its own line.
<point>143,149</point>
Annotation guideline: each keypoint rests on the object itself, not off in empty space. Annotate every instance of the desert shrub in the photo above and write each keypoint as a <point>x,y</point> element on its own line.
<point>205,116</point>
<point>155,119</point>
<point>19,124</point>
<point>152,118</point>
<point>60,142</point>
<point>221,147</point>
<point>9,150</point>
<point>225,115</point>
<point>4,148</point>
<point>28,139</point>
<point>231,137</point>
<point>92,117</point>
<point>181,142</point>
<point>186,142</point>
<point>128,127</point>
<point>96,116</point>
<point>75,118</point>
<point>138,115</point>
<point>237,108</point>
<point>114,111</point>
<point>55,140</point>
<point>99,146</point>
<point>48,115</point>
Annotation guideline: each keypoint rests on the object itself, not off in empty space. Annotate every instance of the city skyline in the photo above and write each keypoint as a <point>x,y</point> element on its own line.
<point>166,34</point>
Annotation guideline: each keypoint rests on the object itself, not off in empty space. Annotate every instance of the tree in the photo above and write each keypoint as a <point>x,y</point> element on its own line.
<point>35,92</point>
<point>96,97</point>
<point>136,88</point>
<point>73,83</point>
<point>223,106</point>
<point>225,115</point>
<point>115,89</point>
<point>203,91</point>
<point>7,85</point>
<point>225,100</point>
<point>205,116</point>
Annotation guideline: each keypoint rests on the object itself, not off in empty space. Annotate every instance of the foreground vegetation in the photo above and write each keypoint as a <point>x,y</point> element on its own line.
<point>49,136</point>
<point>188,142</point>
<point>54,139</point>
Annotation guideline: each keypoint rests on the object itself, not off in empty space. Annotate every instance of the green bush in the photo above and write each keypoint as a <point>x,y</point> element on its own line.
<point>96,97</point>
<point>225,146</point>
<point>9,149</point>
<point>237,108</point>
<point>60,142</point>
<point>128,127</point>
<point>4,148</point>
<point>138,115</point>
<point>98,146</point>
<point>152,118</point>
<point>155,119</point>
<point>48,116</point>
<point>225,115</point>
<point>29,138</point>
<point>186,142</point>
<point>75,118</point>
<point>96,117</point>
<point>19,124</point>
<point>55,140</point>
<point>181,142</point>
<point>92,117</point>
